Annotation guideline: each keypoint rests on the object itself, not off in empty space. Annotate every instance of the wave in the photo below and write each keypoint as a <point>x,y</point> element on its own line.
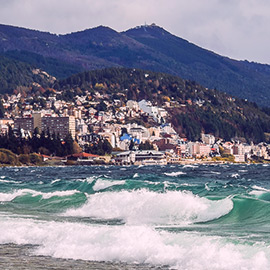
<point>5,197</point>
<point>8,181</point>
<point>56,181</point>
<point>260,188</point>
<point>133,244</point>
<point>214,172</point>
<point>103,184</point>
<point>260,193</point>
<point>190,166</point>
<point>248,211</point>
<point>147,207</point>
<point>175,173</point>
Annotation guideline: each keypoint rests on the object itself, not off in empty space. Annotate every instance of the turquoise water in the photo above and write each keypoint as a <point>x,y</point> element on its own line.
<point>184,217</point>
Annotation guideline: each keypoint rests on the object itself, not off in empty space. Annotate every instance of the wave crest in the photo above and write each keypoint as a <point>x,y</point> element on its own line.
<point>146,207</point>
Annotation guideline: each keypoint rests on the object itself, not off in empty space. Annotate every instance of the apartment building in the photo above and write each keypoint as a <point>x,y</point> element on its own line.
<point>58,125</point>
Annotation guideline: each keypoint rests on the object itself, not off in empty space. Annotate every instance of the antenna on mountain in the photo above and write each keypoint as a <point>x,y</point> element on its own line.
<point>145,25</point>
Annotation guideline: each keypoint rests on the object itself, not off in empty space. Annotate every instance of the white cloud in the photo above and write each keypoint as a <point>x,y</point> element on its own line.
<point>236,28</point>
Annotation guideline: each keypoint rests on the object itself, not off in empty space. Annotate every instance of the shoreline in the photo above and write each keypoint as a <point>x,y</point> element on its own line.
<point>20,257</point>
<point>183,163</point>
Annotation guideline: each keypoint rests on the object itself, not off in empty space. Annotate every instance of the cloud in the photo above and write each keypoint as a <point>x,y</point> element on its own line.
<point>235,28</point>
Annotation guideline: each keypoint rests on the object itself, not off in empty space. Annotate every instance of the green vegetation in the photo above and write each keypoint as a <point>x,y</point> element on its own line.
<point>38,143</point>
<point>146,146</point>
<point>101,148</point>
<point>8,158</point>
<point>53,66</point>
<point>14,74</point>
<point>224,158</point>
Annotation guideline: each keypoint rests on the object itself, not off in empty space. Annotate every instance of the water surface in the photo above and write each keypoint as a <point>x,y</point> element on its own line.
<point>146,217</point>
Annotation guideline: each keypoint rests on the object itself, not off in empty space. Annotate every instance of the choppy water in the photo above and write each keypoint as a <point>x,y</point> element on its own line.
<point>147,217</point>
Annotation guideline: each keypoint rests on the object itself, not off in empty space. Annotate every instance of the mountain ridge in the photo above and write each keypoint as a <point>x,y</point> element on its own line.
<point>147,47</point>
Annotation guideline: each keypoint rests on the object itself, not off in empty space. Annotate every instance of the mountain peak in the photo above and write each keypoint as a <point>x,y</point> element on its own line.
<point>98,29</point>
<point>146,27</point>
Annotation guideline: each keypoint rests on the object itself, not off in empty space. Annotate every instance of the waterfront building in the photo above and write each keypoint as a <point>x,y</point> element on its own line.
<point>145,157</point>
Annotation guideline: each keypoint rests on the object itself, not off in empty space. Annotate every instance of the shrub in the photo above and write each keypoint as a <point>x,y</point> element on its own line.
<point>35,159</point>
<point>24,159</point>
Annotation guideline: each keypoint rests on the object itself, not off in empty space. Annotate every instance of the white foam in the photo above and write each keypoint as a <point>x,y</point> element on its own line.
<point>133,244</point>
<point>175,173</point>
<point>136,175</point>
<point>257,191</point>
<point>56,181</point>
<point>8,181</point>
<point>58,194</point>
<point>102,184</point>
<point>190,166</point>
<point>213,172</point>
<point>146,207</point>
<point>207,187</point>
<point>6,197</point>
<point>260,188</point>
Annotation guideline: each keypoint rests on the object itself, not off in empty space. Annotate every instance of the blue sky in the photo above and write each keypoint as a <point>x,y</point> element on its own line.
<point>235,28</point>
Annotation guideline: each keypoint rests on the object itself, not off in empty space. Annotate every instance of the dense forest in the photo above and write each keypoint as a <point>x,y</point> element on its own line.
<point>194,109</point>
<point>15,74</point>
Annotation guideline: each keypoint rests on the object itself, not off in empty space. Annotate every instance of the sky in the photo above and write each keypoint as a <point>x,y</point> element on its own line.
<point>239,29</point>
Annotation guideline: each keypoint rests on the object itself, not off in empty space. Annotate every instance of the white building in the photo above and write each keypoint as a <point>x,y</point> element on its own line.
<point>132,105</point>
<point>208,138</point>
<point>147,157</point>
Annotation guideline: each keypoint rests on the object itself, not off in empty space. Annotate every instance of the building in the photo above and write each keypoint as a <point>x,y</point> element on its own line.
<point>28,123</point>
<point>5,123</point>
<point>59,125</point>
<point>145,157</point>
<point>208,138</point>
<point>197,149</point>
<point>132,105</point>
<point>37,122</point>
<point>25,123</point>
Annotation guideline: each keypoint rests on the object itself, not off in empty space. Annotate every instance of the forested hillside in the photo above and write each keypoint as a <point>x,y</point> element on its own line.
<point>14,74</point>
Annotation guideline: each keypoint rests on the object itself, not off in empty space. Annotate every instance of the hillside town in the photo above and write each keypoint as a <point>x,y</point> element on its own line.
<point>91,118</point>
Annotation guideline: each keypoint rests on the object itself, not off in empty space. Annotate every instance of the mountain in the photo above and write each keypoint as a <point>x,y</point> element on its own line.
<point>194,109</point>
<point>146,47</point>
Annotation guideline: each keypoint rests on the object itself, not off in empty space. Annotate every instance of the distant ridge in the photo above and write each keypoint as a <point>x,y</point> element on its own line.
<point>148,47</point>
